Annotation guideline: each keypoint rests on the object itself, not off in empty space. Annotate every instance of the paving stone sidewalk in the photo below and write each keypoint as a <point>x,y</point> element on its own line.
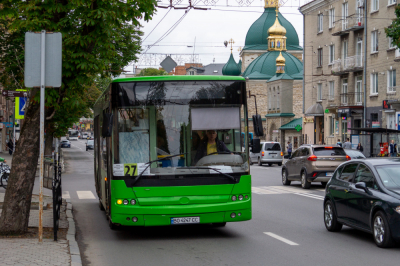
<point>28,251</point>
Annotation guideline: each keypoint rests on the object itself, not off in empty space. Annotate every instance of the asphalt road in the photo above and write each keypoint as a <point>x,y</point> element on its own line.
<point>287,229</point>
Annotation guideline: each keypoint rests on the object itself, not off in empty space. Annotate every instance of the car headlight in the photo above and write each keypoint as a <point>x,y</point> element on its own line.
<point>397,209</point>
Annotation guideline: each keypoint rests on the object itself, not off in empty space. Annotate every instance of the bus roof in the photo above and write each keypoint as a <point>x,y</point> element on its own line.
<point>179,78</point>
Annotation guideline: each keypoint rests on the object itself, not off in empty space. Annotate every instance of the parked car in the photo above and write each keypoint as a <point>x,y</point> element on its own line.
<point>312,163</point>
<point>365,194</point>
<point>354,154</point>
<point>84,135</point>
<point>90,145</point>
<point>65,144</point>
<point>271,153</point>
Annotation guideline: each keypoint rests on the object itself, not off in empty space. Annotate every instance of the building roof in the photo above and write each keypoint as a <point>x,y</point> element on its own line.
<point>295,124</point>
<point>231,68</point>
<point>264,66</point>
<point>256,38</point>
<point>213,69</point>
<point>280,76</point>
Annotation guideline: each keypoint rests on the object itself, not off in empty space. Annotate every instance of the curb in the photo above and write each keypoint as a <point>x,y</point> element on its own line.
<point>71,237</point>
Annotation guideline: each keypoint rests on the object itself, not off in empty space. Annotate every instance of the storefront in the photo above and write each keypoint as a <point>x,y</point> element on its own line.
<point>313,125</point>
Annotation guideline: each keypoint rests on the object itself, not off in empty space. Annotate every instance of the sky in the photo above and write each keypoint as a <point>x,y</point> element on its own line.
<point>205,31</point>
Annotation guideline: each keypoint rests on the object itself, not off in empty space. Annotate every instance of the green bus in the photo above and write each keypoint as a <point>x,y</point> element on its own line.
<point>168,150</point>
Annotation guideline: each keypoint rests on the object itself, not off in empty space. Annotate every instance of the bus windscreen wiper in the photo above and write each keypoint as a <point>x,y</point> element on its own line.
<point>149,163</point>
<point>214,169</point>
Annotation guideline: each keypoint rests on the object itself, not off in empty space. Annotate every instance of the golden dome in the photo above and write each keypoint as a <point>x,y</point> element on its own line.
<point>280,59</point>
<point>277,29</point>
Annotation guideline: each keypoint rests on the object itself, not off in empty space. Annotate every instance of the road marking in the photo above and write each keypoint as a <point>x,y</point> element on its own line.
<point>285,190</point>
<point>85,195</point>
<point>287,241</point>
<point>65,195</point>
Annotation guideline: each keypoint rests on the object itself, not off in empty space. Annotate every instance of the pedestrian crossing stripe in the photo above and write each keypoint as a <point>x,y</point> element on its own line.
<point>286,190</point>
<point>81,195</point>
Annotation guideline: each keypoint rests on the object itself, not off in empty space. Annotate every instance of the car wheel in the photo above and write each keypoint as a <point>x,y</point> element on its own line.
<point>279,164</point>
<point>259,161</point>
<point>324,184</point>
<point>382,236</point>
<point>219,224</point>
<point>330,219</point>
<point>285,180</point>
<point>304,183</point>
<point>269,164</point>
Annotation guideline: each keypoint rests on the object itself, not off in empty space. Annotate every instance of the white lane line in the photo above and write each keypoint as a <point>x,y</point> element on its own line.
<point>85,195</point>
<point>287,241</point>
<point>257,190</point>
<point>65,195</point>
<point>310,196</point>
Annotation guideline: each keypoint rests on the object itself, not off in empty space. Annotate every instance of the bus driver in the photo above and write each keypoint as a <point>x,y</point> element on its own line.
<point>210,144</point>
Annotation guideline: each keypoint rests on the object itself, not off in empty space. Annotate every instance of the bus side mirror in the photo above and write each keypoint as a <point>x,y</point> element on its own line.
<point>107,125</point>
<point>255,146</point>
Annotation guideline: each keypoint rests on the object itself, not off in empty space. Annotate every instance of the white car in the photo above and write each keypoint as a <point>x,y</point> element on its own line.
<point>84,135</point>
<point>271,153</point>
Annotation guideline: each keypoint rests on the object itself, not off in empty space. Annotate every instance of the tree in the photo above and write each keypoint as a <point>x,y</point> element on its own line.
<point>393,30</point>
<point>152,72</point>
<point>99,39</point>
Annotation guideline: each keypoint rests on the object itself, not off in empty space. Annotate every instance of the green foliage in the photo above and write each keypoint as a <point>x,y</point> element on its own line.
<point>393,30</point>
<point>152,72</point>
<point>99,39</point>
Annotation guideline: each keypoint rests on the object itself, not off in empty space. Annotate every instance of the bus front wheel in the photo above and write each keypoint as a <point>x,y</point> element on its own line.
<point>112,225</point>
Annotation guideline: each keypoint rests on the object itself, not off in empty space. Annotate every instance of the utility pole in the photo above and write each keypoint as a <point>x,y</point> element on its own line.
<point>365,66</point>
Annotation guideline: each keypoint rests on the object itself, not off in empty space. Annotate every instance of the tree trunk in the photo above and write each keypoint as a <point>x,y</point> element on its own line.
<point>17,202</point>
<point>48,140</point>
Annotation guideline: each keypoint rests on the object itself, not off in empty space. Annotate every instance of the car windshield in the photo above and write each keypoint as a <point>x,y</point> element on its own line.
<point>329,151</point>
<point>355,154</point>
<point>64,141</point>
<point>90,142</point>
<point>272,147</point>
<point>389,175</point>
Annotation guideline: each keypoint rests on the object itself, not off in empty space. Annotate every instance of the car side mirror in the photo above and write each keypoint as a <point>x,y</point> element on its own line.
<point>256,146</point>
<point>363,186</point>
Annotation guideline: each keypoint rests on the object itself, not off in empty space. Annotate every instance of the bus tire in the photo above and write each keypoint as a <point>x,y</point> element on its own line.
<point>112,225</point>
<point>101,206</point>
<point>219,224</point>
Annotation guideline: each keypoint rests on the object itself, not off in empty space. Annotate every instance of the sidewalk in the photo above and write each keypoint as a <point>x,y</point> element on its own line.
<point>26,250</point>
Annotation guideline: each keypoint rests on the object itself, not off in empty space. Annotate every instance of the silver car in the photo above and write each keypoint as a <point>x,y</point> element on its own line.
<point>271,153</point>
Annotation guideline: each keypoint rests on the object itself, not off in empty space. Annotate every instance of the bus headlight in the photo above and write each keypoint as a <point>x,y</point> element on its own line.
<point>126,202</point>
<point>119,202</point>
<point>233,198</point>
<point>133,202</point>
<point>240,197</point>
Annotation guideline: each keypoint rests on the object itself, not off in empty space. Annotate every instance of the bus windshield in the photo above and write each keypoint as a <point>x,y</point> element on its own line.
<point>202,120</point>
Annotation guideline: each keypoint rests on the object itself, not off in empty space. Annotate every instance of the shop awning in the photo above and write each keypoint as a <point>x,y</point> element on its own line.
<point>295,124</point>
<point>376,130</point>
<point>315,110</point>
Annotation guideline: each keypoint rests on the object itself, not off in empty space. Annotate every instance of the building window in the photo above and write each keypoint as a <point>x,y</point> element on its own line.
<point>345,14</point>
<point>320,22</point>
<point>269,99</point>
<point>331,18</point>
<point>374,83</point>
<point>344,92</point>
<point>374,5</point>
<point>278,99</point>
<point>374,117</point>
<point>191,72</point>
<point>391,2</point>
<point>319,92</point>
<point>320,57</point>
<point>391,81</point>
<point>331,53</point>
<point>391,44</point>
<point>374,41</point>
<point>331,90</point>
<point>331,126</point>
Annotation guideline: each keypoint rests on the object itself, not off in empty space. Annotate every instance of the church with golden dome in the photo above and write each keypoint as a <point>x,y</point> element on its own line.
<point>271,63</point>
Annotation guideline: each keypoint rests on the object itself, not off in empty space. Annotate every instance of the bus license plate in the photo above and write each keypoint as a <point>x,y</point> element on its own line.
<point>185,220</point>
<point>329,173</point>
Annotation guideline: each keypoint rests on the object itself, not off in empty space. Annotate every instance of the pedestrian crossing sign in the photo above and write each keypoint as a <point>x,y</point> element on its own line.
<point>20,103</point>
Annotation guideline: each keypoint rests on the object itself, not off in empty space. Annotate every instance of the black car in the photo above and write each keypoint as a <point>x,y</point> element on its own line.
<point>365,194</point>
<point>90,145</point>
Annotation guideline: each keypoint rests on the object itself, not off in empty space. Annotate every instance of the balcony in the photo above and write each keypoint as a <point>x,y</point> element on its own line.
<point>349,64</point>
<point>350,23</point>
<point>351,99</point>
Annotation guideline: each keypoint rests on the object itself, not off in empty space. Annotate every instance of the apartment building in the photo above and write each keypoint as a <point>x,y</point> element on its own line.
<point>341,55</point>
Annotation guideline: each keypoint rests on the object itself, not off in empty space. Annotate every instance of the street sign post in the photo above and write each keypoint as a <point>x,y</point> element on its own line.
<point>43,62</point>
